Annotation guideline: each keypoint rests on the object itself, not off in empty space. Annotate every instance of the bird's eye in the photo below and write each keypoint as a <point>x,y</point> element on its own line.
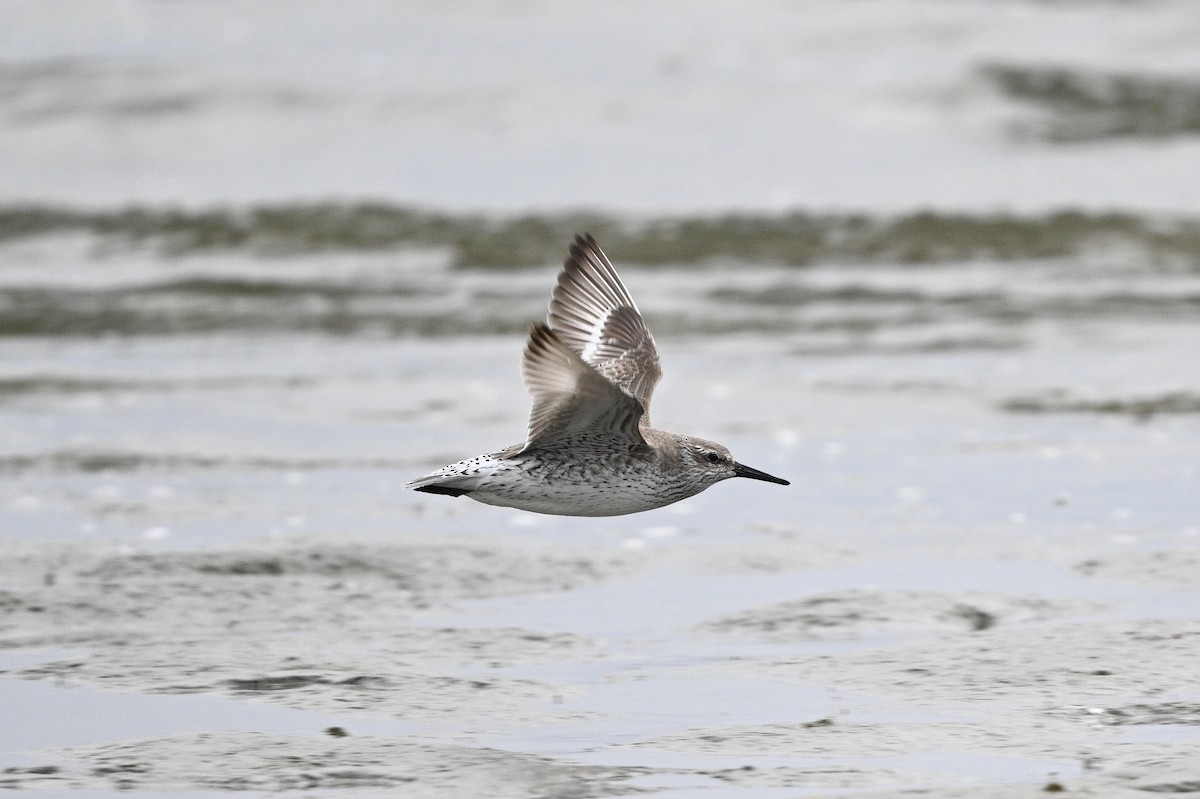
<point>713,457</point>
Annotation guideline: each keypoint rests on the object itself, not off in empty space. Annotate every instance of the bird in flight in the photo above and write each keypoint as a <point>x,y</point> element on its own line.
<point>590,449</point>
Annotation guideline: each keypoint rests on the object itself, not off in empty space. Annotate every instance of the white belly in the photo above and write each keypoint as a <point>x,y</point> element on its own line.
<point>566,495</point>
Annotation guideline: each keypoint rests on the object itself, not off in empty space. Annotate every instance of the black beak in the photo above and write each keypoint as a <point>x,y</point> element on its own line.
<point>755,474</point>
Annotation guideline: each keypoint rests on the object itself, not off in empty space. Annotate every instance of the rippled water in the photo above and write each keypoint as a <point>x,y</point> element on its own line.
<point>944,276</point>
<point>134,384</point>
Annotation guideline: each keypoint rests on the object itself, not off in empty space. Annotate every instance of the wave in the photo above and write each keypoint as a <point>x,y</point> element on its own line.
<point>112,461</point>
<point>797,238</point>
<point>383,270</point>
<point>1140,407</point>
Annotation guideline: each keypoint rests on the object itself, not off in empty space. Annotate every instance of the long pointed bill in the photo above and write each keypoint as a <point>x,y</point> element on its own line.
<point>755,474</point>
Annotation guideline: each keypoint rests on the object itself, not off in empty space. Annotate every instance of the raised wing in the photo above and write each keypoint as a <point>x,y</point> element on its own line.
<point>571,398</point>
<point>592,312</point>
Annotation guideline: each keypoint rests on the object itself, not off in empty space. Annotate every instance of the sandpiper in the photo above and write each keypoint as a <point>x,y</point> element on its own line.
<point>590,449</point>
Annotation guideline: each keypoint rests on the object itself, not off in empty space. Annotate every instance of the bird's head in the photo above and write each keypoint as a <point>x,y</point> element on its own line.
<point>712,463</point>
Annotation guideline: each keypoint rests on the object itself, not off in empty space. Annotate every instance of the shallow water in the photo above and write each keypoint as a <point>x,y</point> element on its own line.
<point>992,516</point>
<point>935,264</point>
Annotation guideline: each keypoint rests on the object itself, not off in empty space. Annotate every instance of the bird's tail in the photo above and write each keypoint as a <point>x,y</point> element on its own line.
<point>452,485</point>
<point>435,488</point>
<point>459,478</point>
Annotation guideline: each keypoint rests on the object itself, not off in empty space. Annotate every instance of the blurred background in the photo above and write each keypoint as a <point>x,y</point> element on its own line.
<point>250,246</point>
<point>648,108</point>
<point>937,262</point>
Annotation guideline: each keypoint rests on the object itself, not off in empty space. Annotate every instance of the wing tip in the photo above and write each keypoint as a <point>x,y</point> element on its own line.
<point>549,365</point>
<point>587,277</point>
<point>541,338</point>
<point>584,249</point>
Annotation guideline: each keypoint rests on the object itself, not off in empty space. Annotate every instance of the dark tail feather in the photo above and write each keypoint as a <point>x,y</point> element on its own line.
<point>437,489</point>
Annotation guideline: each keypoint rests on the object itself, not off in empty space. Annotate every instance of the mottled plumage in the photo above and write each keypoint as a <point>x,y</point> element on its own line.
<point>590,449</point>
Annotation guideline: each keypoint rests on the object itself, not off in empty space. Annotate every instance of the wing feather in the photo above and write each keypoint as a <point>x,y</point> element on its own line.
<point>593,314</point>
<point>570,398</point>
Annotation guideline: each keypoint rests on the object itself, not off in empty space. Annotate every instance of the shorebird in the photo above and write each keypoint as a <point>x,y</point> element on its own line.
<point>590,449</point>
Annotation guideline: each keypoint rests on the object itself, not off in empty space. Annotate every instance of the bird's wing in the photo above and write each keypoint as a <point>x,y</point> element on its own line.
<point>570,398</point>
<point>592,312</point>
